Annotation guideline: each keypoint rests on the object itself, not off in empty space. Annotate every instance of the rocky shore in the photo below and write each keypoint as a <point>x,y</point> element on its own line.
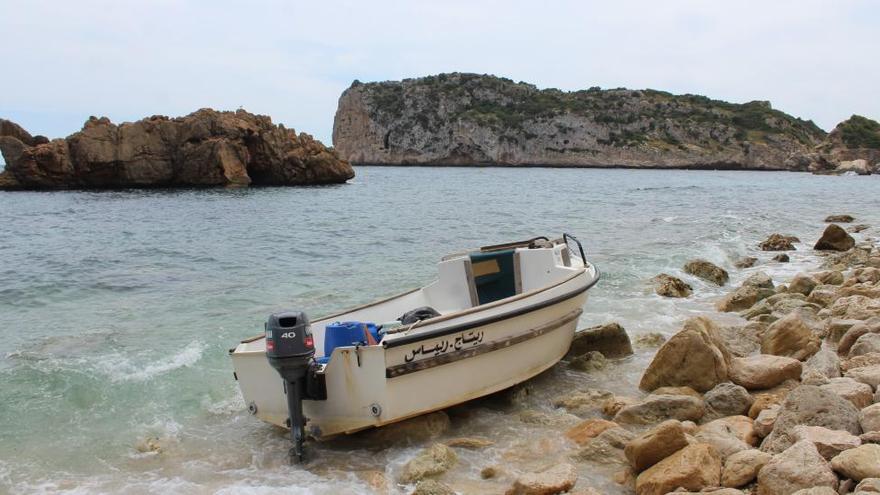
<point>471,120</point>
<point>204,148</point>
<point>776,393</point>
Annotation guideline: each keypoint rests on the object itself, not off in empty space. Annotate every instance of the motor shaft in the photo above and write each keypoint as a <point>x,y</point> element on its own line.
<point>294,391</point>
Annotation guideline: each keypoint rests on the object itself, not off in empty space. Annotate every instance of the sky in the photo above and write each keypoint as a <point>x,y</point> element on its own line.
<point>66,60</point>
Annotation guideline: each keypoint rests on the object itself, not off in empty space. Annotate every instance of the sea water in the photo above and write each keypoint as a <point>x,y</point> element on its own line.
<point>117,308</point>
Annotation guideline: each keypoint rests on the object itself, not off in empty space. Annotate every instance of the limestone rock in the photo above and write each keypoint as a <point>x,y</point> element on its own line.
<point>706,270</point>
<point>727,399</point>
<point>655,445</point>
<point>829,443</point>
<point>792,337</point>
<point>829,277</point>
<point>591,361</point>
<point>869,375</point>
<point>763,371</point>
<point>656,408</point>
<point>818,490</point>
<point>583,401</point>
<point>728,435</point>
<point>694,467</point>
<point>839,219</point>
<point>742,298</point>
<point>781,258</point>
<point>742,341</point>
<point>693,357</point>
<point>866,344</point>
<point>855,332</point>
<point>470,443</point>
<point>746,262</point>
<point>869,359</point>
<point>778,242</point>
<point>584,431</point>
<point>204,148</point>
<point>742,467</point>
<point>432,487</point>
<point>606,447</point>
<point>669,286</point>
<point>802,284</point>
<point>859,463</point>
<point>650,339</point>
<point>610,339</point>
<point>410,431</point>
<point>836,328</point>
<point>856,392</point>
<point>835,239</point>
<point>825,362</point>
<point>766,420</point>
<point>812,406</point>
<point>869,418</point>
<point>868,485</point>
<point>797,467</point>
<point>435,460</point>
<point>557,479</point>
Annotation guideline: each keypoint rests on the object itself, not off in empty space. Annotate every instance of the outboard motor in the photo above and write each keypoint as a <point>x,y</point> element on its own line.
<point>290,349</point>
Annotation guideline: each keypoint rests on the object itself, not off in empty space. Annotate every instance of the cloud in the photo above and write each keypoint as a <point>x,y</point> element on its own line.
<point>64,61</point>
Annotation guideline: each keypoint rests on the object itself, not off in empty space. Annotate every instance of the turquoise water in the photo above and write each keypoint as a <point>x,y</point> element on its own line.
<point>117,308</point>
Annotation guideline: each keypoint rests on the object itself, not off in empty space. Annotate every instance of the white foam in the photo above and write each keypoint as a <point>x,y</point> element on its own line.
<point>121,368</point>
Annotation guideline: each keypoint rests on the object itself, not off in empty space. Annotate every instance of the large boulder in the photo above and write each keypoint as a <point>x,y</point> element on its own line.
<point>860,394</point>
<point>655,408</point>
<point>204,148</point>
<point>790,336</point>
<point>743,297</point>
<point>858,463</point>
<point>812,406</point>
<point>829,443</point>
<point>707,270</point>
<point>742,467</point>
<point>835,239</point>
<point>694,357</point>
<point>824,362</point>
<point>655,445</point>
<point>866,344</point>
<point>763,371</point>
<point>669,286</point>
<point>779,242</point>
<point>694,467</point>
<point>855,332</point>
<point>797,467</point>
<point>802,284</point>
<point>727,399</point>
<point>728,435</point>
<point>559,478</point>
<point>433,461</point>
<point>610,339</point>
<point>869,375</point>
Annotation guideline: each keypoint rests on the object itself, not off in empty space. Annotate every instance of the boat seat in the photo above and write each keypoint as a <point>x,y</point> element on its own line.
<point>495,274</point>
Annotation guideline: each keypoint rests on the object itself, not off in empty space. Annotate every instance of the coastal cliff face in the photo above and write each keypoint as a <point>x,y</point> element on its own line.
<point>854,145</point>
<point>468,119</point>
<point>204,148</point>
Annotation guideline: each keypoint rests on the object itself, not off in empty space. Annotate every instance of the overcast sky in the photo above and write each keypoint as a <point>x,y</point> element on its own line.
<point>65,60</point>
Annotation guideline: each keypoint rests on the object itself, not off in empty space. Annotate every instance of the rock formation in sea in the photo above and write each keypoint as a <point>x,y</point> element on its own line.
<point>204,148</point>
<point>470,119</point>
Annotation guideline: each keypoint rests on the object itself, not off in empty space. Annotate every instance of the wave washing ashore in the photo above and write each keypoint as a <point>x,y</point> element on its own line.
<point>129,390</point>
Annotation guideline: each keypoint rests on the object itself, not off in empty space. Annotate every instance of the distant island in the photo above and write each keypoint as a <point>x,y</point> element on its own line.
<point>471,119</point>
<point>204,148</point>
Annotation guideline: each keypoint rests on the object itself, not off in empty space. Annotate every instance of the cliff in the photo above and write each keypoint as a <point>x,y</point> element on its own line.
<point>468,119</point>
<point>854,145</point>
<point>204,148</point>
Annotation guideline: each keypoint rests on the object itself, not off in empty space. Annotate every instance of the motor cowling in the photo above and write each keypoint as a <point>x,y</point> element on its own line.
<point>290,349</point>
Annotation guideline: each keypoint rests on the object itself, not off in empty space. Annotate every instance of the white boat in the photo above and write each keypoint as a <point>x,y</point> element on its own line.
<point>504,314</point>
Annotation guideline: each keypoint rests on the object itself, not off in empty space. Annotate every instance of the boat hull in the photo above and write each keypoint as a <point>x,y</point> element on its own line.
<point>461,359</point>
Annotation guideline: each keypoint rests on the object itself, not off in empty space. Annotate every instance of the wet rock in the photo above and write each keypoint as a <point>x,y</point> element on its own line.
<point>591,361</point>
<point>797,467</point>
<point>791,337</point>
<point>746,262</point>
<point>740,299</point>
<point>829,443</point>
<point>869,418</point>
<point>557,419</point>
<point>866,344</point>
<point>727,399</point>
<point>778,242</point>
<point>839,219</point>
<point>869,375</point>
<point>855,229</point>
<point>376,480</point>
<point>557,479</point>
<point>693,357</point>
<point>766,420</point>
<point>694,467</point>
<point>606,447</point>
<point>669,286</point>
<point>858,393</point>
<point>656,408</point>
<point>655,445</point>
<point>835,239</point>
<point>859,463</point>
<point>432,487</point>
<point>781,258</point>
<point>825,362</point>
<point>610,339</point>
<point>759,280</point>
<point>728,435</point>
<point>433,461</point>
<point>651,339</point>
<point>583,401</point>
<point>488,472</point>
<point>707,270</point>
<point>763,371</point>
<point>586,430</point>
<point>742,468</point>
<point>812,406</point>
<point>470,443</point>
<point>802,284</point>
<point>415,430</point>
<point>613,405</point>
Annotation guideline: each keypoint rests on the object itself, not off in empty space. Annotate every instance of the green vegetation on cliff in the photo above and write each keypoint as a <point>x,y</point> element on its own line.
<point>860,132</point>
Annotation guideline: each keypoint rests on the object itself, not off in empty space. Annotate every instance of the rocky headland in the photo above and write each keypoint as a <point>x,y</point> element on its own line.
<point>470,119</point>
<point>776,393</point>
<point>204,148</point>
